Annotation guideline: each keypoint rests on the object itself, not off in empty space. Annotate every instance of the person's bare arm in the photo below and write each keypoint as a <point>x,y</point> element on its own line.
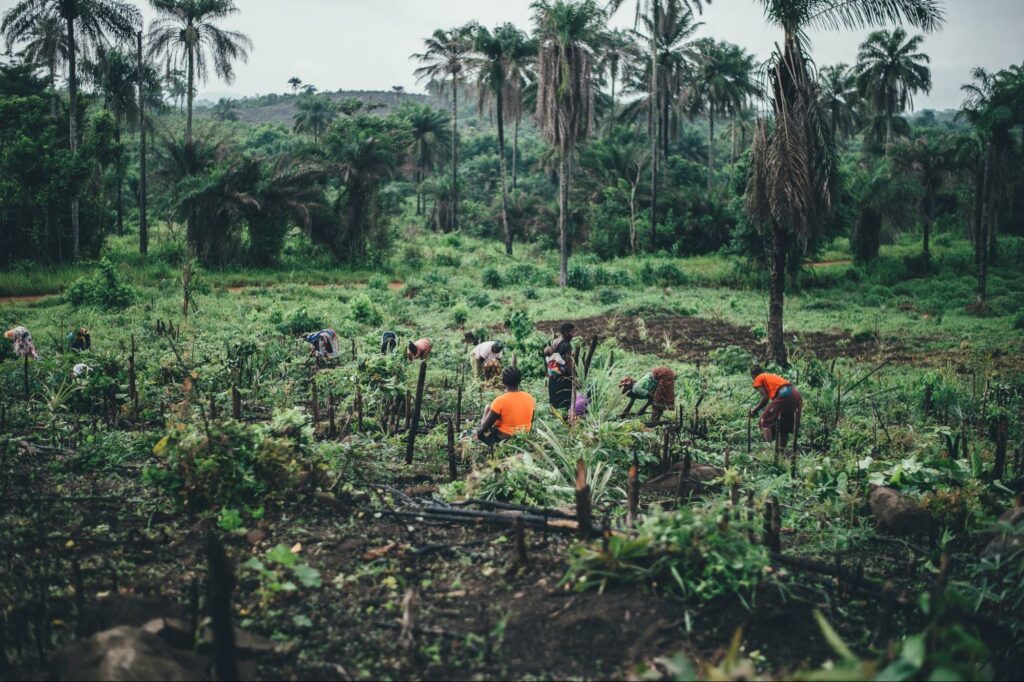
<point>489,420</point>
<point>764,400</point>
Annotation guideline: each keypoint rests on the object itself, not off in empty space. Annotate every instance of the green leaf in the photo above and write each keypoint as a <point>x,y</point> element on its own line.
<point>833,638</point>
<point>307,575</point>
<point>255,565</point>
<point>302,621</point>
<point>914,650</point>
<point>280,554</point>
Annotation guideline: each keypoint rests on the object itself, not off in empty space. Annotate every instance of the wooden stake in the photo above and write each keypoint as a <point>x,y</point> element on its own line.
<point>590,356</point>
<point>927,400</point>
<point>520,530</point>
<point>583,511</point>
<point>359,409</point>
<point>236,404</point>
<point>458,407</point>
<point>331,426</point>
<point>26,378</point>
<point>221,583</point>
<point>314,399</point>
<point>796,435</point>
<point>453,465</point>
<point>213,408</point>
<point>664,450</point>
<point>749,427</point>
<point>415,423</point>
<point>999,465</point>
<point>133,391</point>
<point>632,492</point>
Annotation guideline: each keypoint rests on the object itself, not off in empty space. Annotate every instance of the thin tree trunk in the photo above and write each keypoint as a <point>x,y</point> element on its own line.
<point>664,127</point>
<point>143,226</point>
<point>563,210</point>
<point>986,216</point>
<point>119,178</point>
<point>515,153</point>
<point>711,147</point>
<point>777,289</point>
<point>191,232</point>
<point>499,105</point>
<point>926,223</point>
<point>732,155</point>
<point>455,156</point>
<point>611,119</point>
<point>73,129</point>
<point>653,118</point>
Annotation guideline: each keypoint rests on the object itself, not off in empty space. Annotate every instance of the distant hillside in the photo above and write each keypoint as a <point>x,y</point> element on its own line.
<point>275,108</point>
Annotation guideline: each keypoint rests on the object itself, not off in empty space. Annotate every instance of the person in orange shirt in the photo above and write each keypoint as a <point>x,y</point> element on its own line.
<point>510,413</point>
<point>782,399</point>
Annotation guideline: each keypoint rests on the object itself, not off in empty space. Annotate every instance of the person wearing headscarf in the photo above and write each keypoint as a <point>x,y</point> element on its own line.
<point>485,352</point>
<point>657,388</point>
<point>561,368</point>
<point>419,349</point>
<point>324,343</point>
<point>80,340</point>
<point>22,341</point>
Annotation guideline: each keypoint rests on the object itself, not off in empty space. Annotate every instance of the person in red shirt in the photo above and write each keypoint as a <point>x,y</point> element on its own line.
<point>510,413</point>
<point>783,402</point>
<point>419,349</point>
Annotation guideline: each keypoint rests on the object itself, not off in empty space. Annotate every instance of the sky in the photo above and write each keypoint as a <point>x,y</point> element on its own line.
<point>366,44</point>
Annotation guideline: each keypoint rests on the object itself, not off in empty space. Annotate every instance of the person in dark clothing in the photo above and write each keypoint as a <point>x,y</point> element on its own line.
<point>388,341</point>
<point>80,340</point>
<point>561,367</point>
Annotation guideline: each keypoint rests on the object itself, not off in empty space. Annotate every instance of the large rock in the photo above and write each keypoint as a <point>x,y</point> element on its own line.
<point>126,609</point>
<point>897,513</point>
<point>125,653</point>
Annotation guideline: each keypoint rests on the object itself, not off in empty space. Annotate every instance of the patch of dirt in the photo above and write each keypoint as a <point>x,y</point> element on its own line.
<point>826,263</point>
<point>26,298</point>
<point>692,339</point>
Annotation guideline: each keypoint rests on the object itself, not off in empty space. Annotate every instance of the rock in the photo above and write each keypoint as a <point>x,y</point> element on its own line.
<point>256,536</point>
<point>126,609</point>
<point>897,513</point>
<point>245,642</point>
<point>1003,543</point>
<point>125,653</point>
<point>174,631</point>
<point>331,502</point>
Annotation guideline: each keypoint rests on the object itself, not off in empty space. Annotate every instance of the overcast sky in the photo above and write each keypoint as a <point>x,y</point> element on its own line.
<point>365,44</point>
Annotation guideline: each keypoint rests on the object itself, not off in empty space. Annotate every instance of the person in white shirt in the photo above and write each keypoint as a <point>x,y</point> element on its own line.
<point>488,350</point>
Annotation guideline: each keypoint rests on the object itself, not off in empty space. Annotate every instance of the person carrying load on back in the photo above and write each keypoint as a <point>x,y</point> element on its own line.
<point>486,352</point>
<point>324,343</point>
<point>510,413</point>
<point>561,368</point>
<point>388,341</point>
<point>783,403</point>
<point>658,388</point>
<point>80,340</point>
<point>22,340</point>
<point>419,349</point>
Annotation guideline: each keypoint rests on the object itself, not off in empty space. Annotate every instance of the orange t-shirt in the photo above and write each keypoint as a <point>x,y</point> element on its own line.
<point>771,382</point>
<point>514,410</point>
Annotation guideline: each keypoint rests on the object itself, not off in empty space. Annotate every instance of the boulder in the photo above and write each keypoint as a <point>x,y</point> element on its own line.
<point>174,631</point>
<point>126,609</point>
<point>125,653</point>
<point>897,513</point>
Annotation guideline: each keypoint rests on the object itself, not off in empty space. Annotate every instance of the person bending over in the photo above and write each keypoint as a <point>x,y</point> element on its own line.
<point>783,402</point>
<point>483,352</point>
<point>80,340</point>
<point>658,388</point>
<point>323,344</point>
<point>510,413</point>
<point>419,349</point>
<point>560,367</point>
<point>388,341</point>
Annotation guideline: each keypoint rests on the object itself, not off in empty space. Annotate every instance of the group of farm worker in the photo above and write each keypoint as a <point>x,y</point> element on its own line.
<point>512,411</point>
<point>79,341</point>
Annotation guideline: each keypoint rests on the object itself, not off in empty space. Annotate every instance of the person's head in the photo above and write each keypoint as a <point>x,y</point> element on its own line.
<point>498,347</point>
<point>511,377</point>
<point>756,371</point>
<point>626,385</point>
<point>567,330</point>
<point>412,348</point>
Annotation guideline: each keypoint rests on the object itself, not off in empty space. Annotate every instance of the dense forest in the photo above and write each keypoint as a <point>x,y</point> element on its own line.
<point>224,470</point>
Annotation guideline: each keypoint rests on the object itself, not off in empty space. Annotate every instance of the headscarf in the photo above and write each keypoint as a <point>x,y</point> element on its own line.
<point>22,340</point>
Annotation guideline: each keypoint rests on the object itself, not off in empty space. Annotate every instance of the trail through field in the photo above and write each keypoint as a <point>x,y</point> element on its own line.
<point>826,263</point>
<point>394,285</point>
<point>25,298</point>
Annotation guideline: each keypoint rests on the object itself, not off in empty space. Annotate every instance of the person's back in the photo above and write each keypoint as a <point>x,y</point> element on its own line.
<point>488,350</point>
<point>515,412</point>
<point>771,383</point>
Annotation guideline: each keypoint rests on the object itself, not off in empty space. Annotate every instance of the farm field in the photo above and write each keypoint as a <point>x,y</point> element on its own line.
<point>351,562</point>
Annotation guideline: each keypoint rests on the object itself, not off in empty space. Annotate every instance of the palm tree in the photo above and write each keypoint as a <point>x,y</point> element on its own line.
<point>837,96</point>
<point>890,70</point>
<point>445,57</point>
<point>45,43</point>
<point>565,91</point>
<point>295,82</point>
<point>226,109</point>
<point>793,170</point>
<point>430,133</point>
<point>187,31</point>
<point>617,48</point>
<point>493,52</point>
<point>932,160</point>
<point>88,24</point>
<point>316,112</point>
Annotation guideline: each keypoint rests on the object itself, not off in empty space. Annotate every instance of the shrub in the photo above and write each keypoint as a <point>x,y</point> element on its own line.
<point>530,294</point>
<point>364,311</point>
<point>662,274</point>
<point>447,259</point>
<point>732,359</point>
<point>1018,322</point>
<point>580,277</point>
<point>609,296</point>
<point>234,463</point>
<point>491,278</point>
<point>460,314</point>
<point>412,255</point>
<point>479,299</point>
<point>299,321</point>
<point>103,289</point>
<point>377,283</point>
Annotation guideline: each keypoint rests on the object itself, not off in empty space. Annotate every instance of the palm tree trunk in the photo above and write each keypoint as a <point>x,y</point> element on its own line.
<point>563,210</point>
<point>73,129</point>
<point>711,146</point>
<point>191,235</point>
<point>143,226</point>
<point>455,156</point>
<point>981,246</point>
<point>611,119</point>
<point>53,87</point>
<point>119,179</point>
<point>776,296</point>
<point>732,155</point>
<point>664,127</point>
<point>499,105</point>
<point>653,123</point>
<point>515,153</point>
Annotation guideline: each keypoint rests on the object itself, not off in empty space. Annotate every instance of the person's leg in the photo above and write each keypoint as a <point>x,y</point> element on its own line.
<point>629,407</point>
<point>656,413</point>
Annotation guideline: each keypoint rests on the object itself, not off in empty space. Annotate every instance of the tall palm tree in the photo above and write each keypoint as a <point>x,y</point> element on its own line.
<point>838,97</point>
<point>932,160</point>
<point>88,24</point>
<point>430,133</point>
<point>493,54</point>
<point>567,32</point>
<point>890,70</point>
<point>653,10</point>
<point>316,112</point>
<point>617,48</point>
<point>793,170</point>
<point>45,43</point>
<point>188,33</point>
<point>444,59</point>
